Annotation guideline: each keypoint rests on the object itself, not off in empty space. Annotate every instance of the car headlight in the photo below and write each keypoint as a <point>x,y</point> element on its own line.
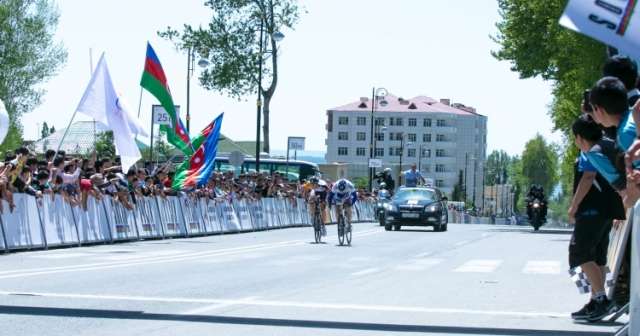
<point>379,205</point>
<point>432,208</point>
<point>391,207</point>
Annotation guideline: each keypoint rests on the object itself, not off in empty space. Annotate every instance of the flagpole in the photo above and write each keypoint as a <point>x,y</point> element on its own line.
<point>95,134</point>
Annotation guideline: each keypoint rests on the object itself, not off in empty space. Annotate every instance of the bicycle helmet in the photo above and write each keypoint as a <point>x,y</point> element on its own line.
<point>322,183</point>
<point>313,180</point>
<point>342,186</point>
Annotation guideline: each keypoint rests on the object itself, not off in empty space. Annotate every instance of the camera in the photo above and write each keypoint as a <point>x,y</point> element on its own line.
<point>586,101</point>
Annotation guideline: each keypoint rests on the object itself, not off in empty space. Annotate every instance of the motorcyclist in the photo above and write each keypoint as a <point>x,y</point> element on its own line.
<point>536,192</point>
<point>385,177</point>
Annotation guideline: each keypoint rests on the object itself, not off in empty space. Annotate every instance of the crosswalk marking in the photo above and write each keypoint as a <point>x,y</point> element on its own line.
<point>542,267</point>
<point>419,264</point>
<point>479,266</point>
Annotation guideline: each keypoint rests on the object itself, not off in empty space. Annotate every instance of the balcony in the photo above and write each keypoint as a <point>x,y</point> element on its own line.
<point>446,130</point>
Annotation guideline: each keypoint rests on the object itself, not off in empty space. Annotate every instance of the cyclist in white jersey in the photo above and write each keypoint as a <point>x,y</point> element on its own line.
<point>343,193</point>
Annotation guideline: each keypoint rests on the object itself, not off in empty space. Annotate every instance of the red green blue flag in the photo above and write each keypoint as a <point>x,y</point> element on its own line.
<point>155,81</point>
<point>196,172</point>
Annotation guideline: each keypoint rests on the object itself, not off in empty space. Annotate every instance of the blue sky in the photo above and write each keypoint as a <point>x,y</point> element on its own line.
<point>337,53</point>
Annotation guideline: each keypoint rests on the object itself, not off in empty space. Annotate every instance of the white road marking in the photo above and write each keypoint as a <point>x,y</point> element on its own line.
<point>420,264</point>
<point>422,255</point>
<point>60,255</point>
<point>208,308</point>
<point>479,266</point>
<point>141,255</point>
<point>156,260</point>
<point>366,271</point>
<point>462,243</point>
<point>542,267</point>
<point>293,304</point>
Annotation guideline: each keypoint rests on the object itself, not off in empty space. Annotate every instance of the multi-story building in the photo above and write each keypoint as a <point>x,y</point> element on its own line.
<point>441,138</point>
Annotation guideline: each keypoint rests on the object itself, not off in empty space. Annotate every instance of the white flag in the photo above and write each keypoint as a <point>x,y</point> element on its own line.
<point>611,22</point>
<point>102,102</point>
<point>4,122</point>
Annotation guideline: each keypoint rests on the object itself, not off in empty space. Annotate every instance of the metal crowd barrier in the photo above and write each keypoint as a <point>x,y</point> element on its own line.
<point>52,222</point>
<point>634,309</point>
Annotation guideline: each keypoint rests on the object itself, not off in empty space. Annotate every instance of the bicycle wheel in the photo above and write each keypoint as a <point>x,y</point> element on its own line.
<point>348,233</point>
<point>341,230</point>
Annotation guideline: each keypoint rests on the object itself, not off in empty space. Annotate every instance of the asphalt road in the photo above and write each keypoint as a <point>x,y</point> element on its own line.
<point>471,280</point>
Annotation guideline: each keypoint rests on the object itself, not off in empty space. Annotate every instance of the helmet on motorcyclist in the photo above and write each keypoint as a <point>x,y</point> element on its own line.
<point>387,170</point>
<point>313,180</point>
<point>383,185</point>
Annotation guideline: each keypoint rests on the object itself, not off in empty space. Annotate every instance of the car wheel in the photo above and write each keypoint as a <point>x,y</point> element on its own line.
<point>437,228</point>
<point>387,227</point>
<point>397,227</point>
<point>443,227</point>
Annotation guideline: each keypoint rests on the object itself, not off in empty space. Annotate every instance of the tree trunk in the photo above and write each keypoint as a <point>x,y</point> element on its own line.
<point>265,124</point>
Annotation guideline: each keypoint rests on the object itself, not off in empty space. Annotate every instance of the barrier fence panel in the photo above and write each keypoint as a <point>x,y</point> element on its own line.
<point>292,212</point>
<point>3,237</point>
<point>210,215</point>
<point>281,211</point>
<point>303,209</point>
<point>229,217</point>
<point>168,209</point>
<point>121,220</point>
<point>22,226</point>
<point>93,225</point>
<point>191,217</point>
<point>242,212</point>
<point>634,309</point>
<point>257,215</point>
<point>58,220</point>
<point>147,218</point>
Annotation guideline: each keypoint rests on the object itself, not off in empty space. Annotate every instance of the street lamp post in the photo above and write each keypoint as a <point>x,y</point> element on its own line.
<point>475,167</point>
<point>375,95</point>
<point>466,164</point>
<point>190,69</point>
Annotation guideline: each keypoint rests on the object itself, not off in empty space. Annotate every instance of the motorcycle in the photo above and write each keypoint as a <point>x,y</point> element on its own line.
<point>383,198</point>
<point>537,218</point>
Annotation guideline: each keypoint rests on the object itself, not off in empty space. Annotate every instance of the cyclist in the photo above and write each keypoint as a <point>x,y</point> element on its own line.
<point>319,194</point>
<point>343,193</point>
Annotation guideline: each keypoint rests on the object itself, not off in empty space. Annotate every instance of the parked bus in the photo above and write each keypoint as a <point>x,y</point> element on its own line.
<point>294,170</point>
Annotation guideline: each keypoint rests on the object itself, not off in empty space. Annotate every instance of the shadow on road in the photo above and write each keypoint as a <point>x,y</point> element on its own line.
<point>271,322</point>
<point>526,230</point>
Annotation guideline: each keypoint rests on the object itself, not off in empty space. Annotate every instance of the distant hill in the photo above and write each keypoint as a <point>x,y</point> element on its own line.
<point>316,157</point>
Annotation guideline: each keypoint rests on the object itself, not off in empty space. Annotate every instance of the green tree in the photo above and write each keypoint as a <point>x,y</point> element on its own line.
<point>52,130</point>
<point>231,42</point>
<point>495,170</point>
<point>361,183</point>
<point>28,56</point>
<point>531,38</point>
<point>105,146</point>
<point>540,163</point>
<point>45,131</point>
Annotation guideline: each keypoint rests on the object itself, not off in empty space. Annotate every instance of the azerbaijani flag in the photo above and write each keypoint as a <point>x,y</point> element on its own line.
<point>196,171</point>
<point>155,81</point>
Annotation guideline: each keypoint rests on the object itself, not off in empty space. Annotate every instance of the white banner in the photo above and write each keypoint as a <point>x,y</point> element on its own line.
<point>3,238</point>
<point>93,225</point>
<point>257,215</point>
<point>611,22</point>
<point>212,218</point>
<point>58,221</point>
<point>242,211</point>
<point>22,225</point>
<point>231,223</point>
<point>121,220</point>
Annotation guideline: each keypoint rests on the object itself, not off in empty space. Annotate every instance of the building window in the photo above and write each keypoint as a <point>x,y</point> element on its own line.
<point>411,152</point>
<point>440,153</point>
<point>390,151</point>
<point>343,136</point>
<point>426,153</point>
<point>440,168</point>
<point>426,168</point>
<point>343,151</point>
<point>439,184</point>
<point>399,122</point>
<point>361,121</point>
<point>440,138</point>
<point>441,123</point>
<point>426,122</point>
<point>380,136</point>
<point>361,136</point>
<point>379,121</point>
<point>360,151</point>
<point>343,120</point>
<point>426,138</point>
<point>412,137</point>
<point>398,151</point>
<point>379,152</point>
<point>413,122</point>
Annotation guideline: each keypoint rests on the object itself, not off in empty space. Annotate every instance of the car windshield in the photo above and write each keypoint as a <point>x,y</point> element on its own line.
<point>415,194</point>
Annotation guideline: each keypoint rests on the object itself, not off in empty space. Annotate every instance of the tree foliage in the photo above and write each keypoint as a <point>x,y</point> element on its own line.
<point>540,164</point>
<point>531,38</point>
<point>457,194</point>
<point>105,147</point>
<point>231,43</point>
<point>44,132</point>
<point>28,56</point>
<point>496,167</point>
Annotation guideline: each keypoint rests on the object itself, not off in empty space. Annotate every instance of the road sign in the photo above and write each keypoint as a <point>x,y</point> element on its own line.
<point>236,159</point>
<point>375,163</point>
<point>161,116</point>
<point>296,143</point>
<point>429,182</point>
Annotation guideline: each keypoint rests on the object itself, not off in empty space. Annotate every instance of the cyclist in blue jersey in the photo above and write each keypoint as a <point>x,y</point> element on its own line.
<point>344,194</point>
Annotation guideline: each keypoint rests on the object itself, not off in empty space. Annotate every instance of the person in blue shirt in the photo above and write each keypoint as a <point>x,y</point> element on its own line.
<point>610,109</point>
<point>594,206</point>
<point>412,177</point>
